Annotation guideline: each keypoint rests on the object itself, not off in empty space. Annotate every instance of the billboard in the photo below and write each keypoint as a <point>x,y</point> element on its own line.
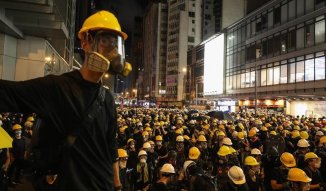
<point>214,66</point>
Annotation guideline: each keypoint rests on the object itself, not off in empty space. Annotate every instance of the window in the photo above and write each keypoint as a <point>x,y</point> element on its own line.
<point>270,19</point>
<point>243,80</point>
<point>252,79</point>
<point>292,72</point>
<point>309,69</point>
<point>253,27</point>
<point>300,7</point>
<point>191,14</point>
<point>309,6</point>
<point>291,9</point>
<point>193,21</point>
<point>238,81</point>
<point>277,15</point>
<point>276,75</point>
<point>291,40</point>
<point>284,12</point>
<point>320,31</point>
<point>284,74</point>
<point>234,82</point>
<point>193,30</point>
<point>270,47</point>
<point>299,71</point>
<point>247,82</point>
<point>191,39</point>
<point>248,30</point>
<point>277,44</point>
<point>320,3</point>
<point>263,77</point>
<point>300,38</point>
<point>283,43</point>
<point>310,35</point>
<point>320,68</point>
<point>270,76</point>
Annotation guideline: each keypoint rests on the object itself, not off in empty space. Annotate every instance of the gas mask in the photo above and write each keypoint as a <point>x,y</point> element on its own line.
<point>107,54</point>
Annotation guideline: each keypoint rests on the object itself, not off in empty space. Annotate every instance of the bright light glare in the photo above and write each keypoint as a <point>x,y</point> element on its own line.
<point>214,66</point>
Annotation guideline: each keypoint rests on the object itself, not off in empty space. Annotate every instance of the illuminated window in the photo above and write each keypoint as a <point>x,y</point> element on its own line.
<point>320,68</point>
<point>263,77</point>
<point>309,69</point>
<point>284,74</point>
<point>292,72</point>
<point>300,71</point>
<point>320,32</point>
<point>300,38</point>
<point>252,79</point>
<point>270,76</point>
<point>243,80</point>
<point>276,75</point>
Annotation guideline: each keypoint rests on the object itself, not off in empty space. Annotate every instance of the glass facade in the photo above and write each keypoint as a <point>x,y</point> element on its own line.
<point>249,42</point>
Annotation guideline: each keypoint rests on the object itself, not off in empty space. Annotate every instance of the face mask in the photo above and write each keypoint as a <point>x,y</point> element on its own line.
<point>142,160</point>
<point>159,143</point>
<point>132,146</point>
<point>317,164</point>
<point>18,133</point>
<point>123,164</point>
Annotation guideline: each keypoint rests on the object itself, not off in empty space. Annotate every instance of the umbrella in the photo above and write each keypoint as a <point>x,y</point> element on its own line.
<point>192,111</point>
<point>220,115</point>
<point>6,140</point>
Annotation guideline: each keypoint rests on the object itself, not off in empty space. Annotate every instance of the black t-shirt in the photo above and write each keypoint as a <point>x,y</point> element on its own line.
<point>316,177</point>
<point>62,102</point>
<point>280,175</point>
<point>3,156</point>
<point>159,186</point>
<point>18,148</point>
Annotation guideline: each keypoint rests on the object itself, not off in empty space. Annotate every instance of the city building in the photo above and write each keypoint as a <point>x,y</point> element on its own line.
<point>155,42</point>
<point>36,38</point>
<point>276,55</point>
<point>184,32</point>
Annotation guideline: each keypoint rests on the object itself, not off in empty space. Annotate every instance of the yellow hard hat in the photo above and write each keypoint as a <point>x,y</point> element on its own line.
<point>122,153</point>
<point>148,129</point>
<point>28,124</point>
<point>296,122</point>
<point>224,150</point>
<point>272,133</point>
<point>263,128</point>
<point>322,140</point>
<point>194,153</point>
<point>130,140</point>
<point>202,138</point>
<point>296,127</point>
<point>158,138</point>
<point>178,131</point>
<point>310,155</point>
<point>151,142</point>
<point>102,20</point>
<point>252,133</point>
<point>268,125</point>
<point>304,135</point>
<point>298,175</point>
<point>147,125</point>
<point>295,134</point>
<point>145,133</point>
<point>288,159</point>
<point>221,133</point>
<point>232,150</point>
<point>250,161</point>
<point>31,119</point>
<point>241,125</point>
<point>16,127</point>
<point>241,135</point>
<point>231,127</point>
<point>186,137</point>
<point>221,126</point>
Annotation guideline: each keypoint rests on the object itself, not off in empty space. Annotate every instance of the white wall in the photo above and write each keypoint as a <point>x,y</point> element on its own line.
<point>308,108</point>
<point>30,58</point>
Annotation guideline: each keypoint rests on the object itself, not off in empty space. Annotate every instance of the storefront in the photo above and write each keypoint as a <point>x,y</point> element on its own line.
<point>265,106</point>
<point>307,108</point>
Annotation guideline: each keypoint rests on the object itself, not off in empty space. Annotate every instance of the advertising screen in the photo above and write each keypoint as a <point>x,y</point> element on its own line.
<point>214,66</point>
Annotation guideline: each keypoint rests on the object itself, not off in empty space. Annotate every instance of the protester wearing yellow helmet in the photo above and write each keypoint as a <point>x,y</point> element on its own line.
<point>278,179</point>
<point>299,181</point>
<point>252,172</point>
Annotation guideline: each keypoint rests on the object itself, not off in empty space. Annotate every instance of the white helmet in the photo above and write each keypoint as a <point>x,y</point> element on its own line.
<point>167,168</point>
<point>255,128</point>
<point>236,175</point>
<point>146,145</point>
<point>320,133</point>
<point>180,138</point>
<point>227,141</point>
<point>255,151</point>
<point>187,163</point>
<point>141,153</point>
<point>192,122</point>
<point>303,143</point>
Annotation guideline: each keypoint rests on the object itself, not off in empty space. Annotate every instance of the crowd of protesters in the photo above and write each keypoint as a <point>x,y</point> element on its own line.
<point>171,149</point>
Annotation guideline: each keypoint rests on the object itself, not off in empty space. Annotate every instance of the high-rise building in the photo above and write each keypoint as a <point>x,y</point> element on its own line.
<point>184,32</point>
<point>36,38</point>
<point>155,42</point>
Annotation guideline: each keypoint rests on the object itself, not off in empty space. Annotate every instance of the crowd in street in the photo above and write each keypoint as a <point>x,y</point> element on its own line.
<point>171,149</point>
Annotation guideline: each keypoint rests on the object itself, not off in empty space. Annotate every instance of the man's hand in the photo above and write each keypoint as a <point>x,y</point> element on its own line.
<point>50,179</point>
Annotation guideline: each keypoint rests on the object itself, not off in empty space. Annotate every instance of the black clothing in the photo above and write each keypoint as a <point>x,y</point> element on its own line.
<point>231,187</point>
<point>316,177</point>
<point>253,185</point>
<point>280,175</point>
<point>159,186</point>
<point>18,148</point>
<point>62,102</point>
